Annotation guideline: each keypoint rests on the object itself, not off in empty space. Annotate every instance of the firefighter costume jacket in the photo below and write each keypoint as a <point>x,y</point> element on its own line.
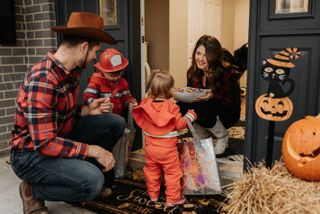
<point>117,91</point>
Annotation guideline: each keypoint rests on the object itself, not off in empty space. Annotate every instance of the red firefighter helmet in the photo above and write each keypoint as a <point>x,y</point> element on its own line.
<point>111,60</point>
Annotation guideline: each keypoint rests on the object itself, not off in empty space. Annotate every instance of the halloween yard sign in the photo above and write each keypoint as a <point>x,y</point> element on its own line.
<point>275,105</point>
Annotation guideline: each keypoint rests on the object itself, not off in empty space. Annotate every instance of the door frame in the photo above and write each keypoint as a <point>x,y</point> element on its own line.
<point>253,45</point>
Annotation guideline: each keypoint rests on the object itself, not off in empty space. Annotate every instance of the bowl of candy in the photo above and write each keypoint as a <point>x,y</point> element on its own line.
<point>188,94</point>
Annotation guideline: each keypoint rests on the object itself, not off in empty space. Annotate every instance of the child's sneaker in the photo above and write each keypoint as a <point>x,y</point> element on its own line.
<point>172,204</point>
<point>154,199</point>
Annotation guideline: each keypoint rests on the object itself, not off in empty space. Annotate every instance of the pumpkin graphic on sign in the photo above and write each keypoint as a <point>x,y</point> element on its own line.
<point>273,109</point>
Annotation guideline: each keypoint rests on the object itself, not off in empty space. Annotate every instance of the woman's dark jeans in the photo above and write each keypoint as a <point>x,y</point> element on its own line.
<point>70,180</point>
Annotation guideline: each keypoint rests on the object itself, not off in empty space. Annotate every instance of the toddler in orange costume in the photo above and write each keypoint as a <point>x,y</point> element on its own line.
<point>160,119</point>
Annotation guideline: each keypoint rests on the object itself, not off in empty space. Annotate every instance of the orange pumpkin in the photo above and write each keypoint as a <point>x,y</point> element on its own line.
<point>274,109</point>
<point>301,148</point>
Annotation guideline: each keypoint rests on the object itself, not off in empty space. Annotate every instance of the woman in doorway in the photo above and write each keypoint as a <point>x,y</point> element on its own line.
<point>219,109</point>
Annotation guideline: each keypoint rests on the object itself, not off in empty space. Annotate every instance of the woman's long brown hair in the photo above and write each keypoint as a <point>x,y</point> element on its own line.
<point>216,66</point>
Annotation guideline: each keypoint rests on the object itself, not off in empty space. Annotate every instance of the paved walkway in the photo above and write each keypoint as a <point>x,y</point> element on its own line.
<point>10,202</point>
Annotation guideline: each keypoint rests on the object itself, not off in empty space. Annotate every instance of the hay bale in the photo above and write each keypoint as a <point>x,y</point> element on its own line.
<point>272,191</point>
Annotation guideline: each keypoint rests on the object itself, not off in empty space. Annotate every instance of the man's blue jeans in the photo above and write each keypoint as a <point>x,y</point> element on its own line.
<point>70,180</point>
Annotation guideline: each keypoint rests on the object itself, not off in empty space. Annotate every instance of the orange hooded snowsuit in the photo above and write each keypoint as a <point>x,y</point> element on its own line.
<point>159,118</point>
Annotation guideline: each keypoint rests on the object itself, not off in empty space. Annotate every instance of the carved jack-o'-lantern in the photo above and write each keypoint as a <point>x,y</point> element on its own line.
<point>301,148</point>
<point>274,109</point>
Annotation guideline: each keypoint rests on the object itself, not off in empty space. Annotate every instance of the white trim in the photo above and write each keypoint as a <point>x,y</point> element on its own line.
<point>142,46</point>
<point>142,33</point>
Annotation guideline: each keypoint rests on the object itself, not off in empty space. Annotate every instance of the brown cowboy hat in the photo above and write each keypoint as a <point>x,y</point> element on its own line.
<point>85,24</point>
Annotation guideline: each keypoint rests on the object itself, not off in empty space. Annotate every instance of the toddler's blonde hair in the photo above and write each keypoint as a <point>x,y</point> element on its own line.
<point>160,84</point>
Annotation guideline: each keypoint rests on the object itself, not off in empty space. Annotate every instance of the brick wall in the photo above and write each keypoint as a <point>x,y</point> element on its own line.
<point>34,39</point>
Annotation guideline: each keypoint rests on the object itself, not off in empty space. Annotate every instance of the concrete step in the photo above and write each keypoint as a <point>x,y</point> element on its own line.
<point>230,168</point>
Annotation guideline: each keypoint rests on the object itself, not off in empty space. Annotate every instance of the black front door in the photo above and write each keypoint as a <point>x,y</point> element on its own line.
<point>274,26</point>
<point>124,26</point>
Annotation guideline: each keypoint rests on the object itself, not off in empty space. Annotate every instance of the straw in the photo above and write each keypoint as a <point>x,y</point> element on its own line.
<point>266,191</point>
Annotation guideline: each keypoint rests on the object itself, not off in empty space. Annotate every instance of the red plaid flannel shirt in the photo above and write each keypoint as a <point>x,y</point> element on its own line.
<point>46,107</point>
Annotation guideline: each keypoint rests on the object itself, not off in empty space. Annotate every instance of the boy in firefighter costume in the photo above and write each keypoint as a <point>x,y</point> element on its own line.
<point>160,119</point>
<point>107,82</point>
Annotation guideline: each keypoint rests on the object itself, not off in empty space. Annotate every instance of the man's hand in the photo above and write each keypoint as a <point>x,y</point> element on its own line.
<point>106,106</point>
<point>104,157</point>
<point>98,106</point>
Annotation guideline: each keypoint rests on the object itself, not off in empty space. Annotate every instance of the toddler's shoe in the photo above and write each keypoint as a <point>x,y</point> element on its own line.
<point>179,202</point>
<point>154,199</point>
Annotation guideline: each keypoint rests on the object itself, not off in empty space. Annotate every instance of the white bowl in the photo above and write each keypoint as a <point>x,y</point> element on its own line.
<point>188,94</point>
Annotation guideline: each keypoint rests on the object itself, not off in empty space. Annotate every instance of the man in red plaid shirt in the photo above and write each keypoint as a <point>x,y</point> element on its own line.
<point>59,149</point>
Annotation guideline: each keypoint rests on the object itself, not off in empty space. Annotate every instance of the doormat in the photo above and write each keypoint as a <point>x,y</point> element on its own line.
<point>131,197</point>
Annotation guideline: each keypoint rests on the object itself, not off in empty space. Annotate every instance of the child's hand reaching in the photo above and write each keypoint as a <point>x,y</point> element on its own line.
<point>133,102</point>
